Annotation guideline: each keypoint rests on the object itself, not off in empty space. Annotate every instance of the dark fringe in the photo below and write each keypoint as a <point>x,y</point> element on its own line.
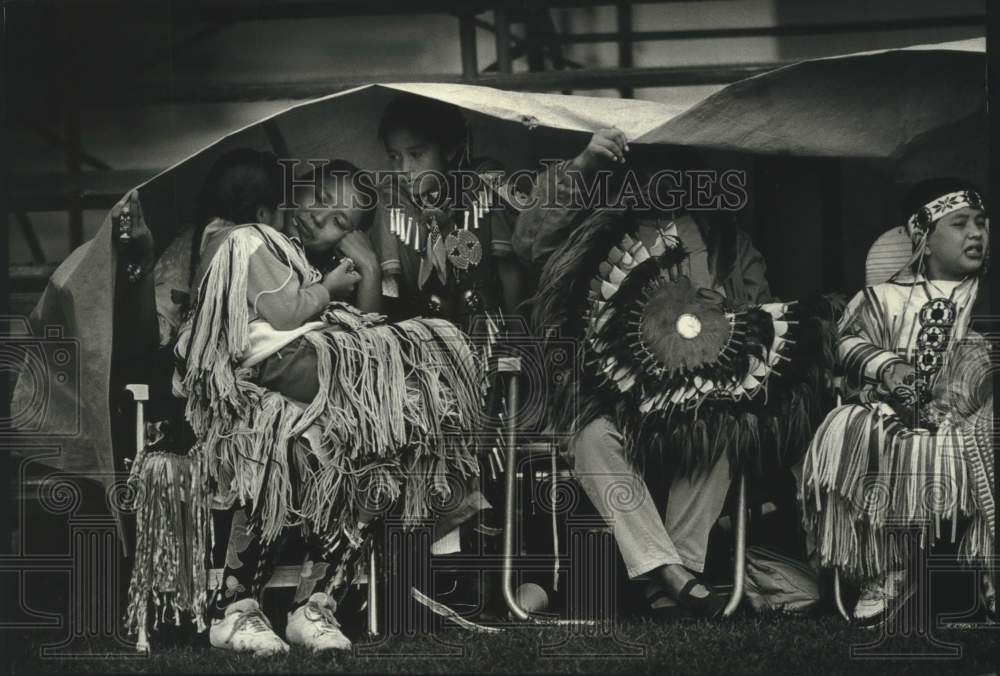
<point>771,429</point>
<point>173,538</point>
<point>561,299</point>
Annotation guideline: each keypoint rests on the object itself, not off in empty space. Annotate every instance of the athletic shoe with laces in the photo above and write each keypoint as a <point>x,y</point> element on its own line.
<point>314,625</point>
<point>882,596</point>
<point>245,628</point>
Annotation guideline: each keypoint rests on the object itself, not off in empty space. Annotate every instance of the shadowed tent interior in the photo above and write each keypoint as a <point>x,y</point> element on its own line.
<point>831,145</point>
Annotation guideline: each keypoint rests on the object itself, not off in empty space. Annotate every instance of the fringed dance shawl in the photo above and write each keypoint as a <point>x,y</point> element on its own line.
<point>394,415</point>
<point>884,461</point>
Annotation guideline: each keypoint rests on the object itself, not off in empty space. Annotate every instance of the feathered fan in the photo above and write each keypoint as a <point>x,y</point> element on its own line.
<point>680,345</point>
<point>687,372</point>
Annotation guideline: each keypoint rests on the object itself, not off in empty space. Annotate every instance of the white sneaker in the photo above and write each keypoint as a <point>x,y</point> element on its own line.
<point>314,626</point>
<point>881,596</point>
<point>245,628</point>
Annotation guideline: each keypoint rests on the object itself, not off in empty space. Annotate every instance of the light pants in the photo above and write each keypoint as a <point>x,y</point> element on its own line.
<point>647,539</point>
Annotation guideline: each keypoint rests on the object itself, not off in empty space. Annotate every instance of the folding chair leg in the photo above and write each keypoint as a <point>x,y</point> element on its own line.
<point>507,573</point>
<point>837,593</point>
<point>140,394</point>
<point>740,563</point>
<point>838,596</point>
<point>373,629</point>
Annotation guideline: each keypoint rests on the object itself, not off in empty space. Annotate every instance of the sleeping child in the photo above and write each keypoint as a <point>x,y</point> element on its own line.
<point>309,411</point>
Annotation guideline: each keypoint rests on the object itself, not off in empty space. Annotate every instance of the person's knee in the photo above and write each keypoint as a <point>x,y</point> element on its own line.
<point>598,440</point>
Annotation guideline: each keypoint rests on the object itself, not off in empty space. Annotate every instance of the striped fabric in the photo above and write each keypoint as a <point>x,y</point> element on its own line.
<point>859,349</point>
<point>890,252</point>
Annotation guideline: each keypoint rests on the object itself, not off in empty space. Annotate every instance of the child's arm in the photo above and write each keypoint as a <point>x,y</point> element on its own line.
<point>860,350</point>
<point>369,298</point>
<point>387,251</point>
<point>275,293</point>
<point>358,247</point>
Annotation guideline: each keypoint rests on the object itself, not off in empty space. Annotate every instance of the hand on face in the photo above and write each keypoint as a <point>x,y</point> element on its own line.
<point>342,280</point>
<point>357,246</point>
<point>957,246</point>
<point>898,375</point>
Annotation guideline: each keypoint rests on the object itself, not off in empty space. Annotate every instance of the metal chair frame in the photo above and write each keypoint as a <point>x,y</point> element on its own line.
<point>511,367</point>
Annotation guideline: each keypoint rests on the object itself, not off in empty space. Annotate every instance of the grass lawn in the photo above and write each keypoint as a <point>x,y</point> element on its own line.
<point>747,644</point>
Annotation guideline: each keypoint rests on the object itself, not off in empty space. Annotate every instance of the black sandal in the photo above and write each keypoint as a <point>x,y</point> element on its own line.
<point>674,611</point>
<point>709,607</point>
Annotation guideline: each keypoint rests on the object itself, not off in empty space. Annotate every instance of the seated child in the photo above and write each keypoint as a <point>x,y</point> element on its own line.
<point>916,446</point>
<point>442,253</point>
<point>308,410</point>
<point>443,236</point>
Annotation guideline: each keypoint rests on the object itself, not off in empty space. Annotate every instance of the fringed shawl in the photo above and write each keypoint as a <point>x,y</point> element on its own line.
<point>866,470</point>
<point>396,406</point>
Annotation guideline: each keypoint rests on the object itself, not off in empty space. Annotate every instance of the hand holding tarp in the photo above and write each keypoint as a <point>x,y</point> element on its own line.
<point>135,240</point>
<point>605,146</point>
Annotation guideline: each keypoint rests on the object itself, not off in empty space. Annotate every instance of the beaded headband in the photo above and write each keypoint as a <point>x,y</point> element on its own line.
<point>921,221</point>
